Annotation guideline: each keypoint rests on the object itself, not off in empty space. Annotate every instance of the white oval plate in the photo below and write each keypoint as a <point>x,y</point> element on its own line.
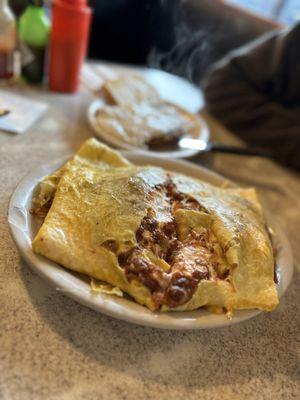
<point>23,227</point>
<point>118,143</point>
<point>172,89</point>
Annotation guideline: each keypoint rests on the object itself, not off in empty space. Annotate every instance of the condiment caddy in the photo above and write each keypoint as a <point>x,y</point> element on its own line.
<point>52,49</point>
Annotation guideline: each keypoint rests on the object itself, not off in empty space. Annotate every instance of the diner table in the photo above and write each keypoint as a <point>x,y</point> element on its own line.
<point>51,347</point>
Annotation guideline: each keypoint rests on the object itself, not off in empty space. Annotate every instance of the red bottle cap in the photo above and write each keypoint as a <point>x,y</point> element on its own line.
<point>74,3</point>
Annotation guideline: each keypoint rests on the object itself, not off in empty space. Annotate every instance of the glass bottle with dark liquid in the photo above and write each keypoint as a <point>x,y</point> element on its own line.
<point>7,40</point>
<point>34,34</point>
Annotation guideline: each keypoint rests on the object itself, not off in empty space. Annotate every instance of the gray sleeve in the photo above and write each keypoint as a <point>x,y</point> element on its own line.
<point>255,92</point>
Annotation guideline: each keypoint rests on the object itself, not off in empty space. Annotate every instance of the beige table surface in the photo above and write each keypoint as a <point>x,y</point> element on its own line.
<point>53,348</point>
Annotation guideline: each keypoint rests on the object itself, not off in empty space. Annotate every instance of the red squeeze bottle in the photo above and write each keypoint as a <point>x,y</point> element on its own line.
<point>68,43</point>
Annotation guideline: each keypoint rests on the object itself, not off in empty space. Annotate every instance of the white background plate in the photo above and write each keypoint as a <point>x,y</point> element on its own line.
<point>172,89</point>
<point>23,230</point>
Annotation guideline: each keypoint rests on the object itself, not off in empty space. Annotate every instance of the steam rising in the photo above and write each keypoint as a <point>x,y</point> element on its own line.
<point>189,49</point>
<point>191,52</point>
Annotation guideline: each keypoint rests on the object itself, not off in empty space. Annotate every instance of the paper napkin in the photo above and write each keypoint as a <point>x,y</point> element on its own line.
<point>22,112</point>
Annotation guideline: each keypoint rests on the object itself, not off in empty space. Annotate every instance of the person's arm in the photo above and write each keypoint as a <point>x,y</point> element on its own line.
<point>255,92</point>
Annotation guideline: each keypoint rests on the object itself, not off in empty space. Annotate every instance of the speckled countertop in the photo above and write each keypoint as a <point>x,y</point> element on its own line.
<point>53,348</point>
